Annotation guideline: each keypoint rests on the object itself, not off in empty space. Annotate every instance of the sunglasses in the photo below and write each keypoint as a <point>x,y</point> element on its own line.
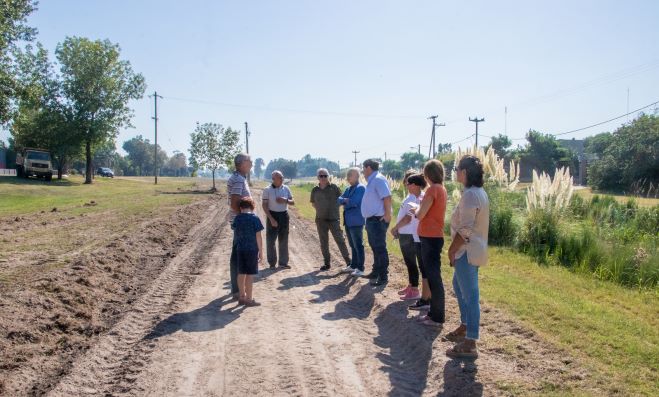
<point>322,176</point>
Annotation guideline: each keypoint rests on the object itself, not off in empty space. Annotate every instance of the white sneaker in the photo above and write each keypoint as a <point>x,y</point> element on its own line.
<point>347,269</point>
<point>357,273</point>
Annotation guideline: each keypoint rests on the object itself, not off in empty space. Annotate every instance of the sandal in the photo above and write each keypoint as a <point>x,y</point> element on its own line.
<point>462,351</point>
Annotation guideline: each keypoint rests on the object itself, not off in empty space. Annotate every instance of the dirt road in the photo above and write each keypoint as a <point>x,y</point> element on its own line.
<point>315,334</point>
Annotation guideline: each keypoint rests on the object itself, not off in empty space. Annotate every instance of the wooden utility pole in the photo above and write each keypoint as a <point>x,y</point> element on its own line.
<point>247,148</point>
<point>355,153</point>
<point>155,130</point>
<point>432,151</point>
<point>477,120</point>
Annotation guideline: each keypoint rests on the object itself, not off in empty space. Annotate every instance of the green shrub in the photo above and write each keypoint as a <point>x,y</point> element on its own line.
<point>579,249</point>
<point>540,234</point>
<point>503,230</point>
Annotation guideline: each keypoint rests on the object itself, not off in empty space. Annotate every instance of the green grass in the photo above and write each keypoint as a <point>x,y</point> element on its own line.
<point>44,237</point>
<point>613,330</point>
<point>128,195</point>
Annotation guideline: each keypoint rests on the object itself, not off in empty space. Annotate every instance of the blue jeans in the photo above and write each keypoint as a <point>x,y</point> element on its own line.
<point>356,241</point>
<point>376,230</point>
<point>465,284</point>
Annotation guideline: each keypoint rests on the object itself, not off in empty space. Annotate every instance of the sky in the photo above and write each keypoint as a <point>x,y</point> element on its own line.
<point>330,77</point>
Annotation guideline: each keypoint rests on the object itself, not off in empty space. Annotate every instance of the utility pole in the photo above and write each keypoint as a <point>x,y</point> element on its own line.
<point>477,120</point>
<point>247,148</point>
<point>385,156</point>
<point>155,128</point>
<point>355,153</point>
<point>432,151</point>
<point>505,122</point>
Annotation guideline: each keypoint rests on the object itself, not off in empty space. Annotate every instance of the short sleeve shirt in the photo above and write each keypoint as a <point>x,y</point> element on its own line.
<point>327,207</point>
<point>432,225</point>
<point>237,185</point>
<point>245,227</point>
<point>377,190</point>
<point>405,208</point>
<point>270,195</point>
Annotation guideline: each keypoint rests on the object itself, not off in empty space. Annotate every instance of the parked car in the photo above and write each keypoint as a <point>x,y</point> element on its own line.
<point>103,171</point>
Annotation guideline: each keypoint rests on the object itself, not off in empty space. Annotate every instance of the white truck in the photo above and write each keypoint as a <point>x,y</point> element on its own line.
<point>34,162</point>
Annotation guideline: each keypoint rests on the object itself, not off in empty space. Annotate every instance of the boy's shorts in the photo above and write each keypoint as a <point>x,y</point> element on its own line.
<point>248,262</point>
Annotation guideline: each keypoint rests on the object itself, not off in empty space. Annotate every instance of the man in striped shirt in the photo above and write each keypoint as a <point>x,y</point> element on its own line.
<point>237,188</point>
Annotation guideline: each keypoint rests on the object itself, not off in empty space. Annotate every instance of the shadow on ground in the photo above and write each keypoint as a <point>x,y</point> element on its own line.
<point>208,318</point>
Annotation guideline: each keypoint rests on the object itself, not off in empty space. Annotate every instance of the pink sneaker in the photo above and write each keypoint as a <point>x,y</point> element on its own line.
<point>412,294</point>
<point>404,290</point>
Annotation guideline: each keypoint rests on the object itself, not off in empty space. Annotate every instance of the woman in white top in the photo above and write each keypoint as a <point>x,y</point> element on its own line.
<point>468,251</point>
<point>406,233</point>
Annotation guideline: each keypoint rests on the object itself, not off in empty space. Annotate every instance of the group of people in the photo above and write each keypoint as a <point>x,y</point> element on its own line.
<point>419,229</point>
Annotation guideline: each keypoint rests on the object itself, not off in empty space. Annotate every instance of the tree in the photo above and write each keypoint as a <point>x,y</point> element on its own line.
<point>258,167</point>
<point>412,160</point>
<point>287,167</point>
<point>13,29</point>
<point>307,166</point>
<point>444,148</point>
<point>627,159</point>
<point>97,86</point>
<point>392,168</point>
<point>212,147</point>
<point>138,153</point>
<point>41,120</point>
<point>500,144</point>
<point>176,165</point>
<point>544,153</point>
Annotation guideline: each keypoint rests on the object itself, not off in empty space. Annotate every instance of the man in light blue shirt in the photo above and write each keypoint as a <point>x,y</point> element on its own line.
<point>376,208</point>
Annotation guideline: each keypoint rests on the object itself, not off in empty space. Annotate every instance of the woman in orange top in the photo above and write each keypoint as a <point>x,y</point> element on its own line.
<point>431,215</point>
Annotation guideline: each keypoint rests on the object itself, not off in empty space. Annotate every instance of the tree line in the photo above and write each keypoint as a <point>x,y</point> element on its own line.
<point>73,105</point>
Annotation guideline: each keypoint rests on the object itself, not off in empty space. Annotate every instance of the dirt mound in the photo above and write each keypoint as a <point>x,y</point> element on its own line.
<point>48,319</point>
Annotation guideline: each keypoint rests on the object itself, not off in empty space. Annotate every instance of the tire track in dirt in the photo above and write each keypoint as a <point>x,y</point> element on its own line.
<point>320,334</point>
<point>111,364</point>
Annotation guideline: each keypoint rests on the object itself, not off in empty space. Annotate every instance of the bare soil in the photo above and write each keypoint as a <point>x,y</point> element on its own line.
<point>152,315</point>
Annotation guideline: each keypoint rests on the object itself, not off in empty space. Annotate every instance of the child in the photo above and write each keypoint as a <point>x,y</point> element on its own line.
<point>249,249</point>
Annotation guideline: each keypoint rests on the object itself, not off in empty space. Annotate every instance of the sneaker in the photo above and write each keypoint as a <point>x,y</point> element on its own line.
<point>357,273</point>
<point>404,290</point>
<point>324,268</point>
<point>420,305</point>
<point>347,269</point>
<point>272,266</point>
<point>412,294</point>
<point>284,267</point>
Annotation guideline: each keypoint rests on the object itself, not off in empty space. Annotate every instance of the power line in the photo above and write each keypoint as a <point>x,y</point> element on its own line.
<point>291,110</point>
<point>600,123</point>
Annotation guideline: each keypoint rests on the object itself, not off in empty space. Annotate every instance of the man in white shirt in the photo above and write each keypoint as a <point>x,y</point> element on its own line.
<point>276,199</point>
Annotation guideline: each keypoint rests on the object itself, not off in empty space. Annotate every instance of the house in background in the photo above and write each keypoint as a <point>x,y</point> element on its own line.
<point>577,146</point>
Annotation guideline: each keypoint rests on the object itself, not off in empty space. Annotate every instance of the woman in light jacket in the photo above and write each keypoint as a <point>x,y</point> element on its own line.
<point>468,251</point>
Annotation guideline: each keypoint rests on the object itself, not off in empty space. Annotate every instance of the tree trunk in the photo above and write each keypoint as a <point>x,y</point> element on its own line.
<point>88,155</point>
<point>60,166</point>
<point>213,181</point>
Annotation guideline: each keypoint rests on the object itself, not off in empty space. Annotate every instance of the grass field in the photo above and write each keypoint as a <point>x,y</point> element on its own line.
<point>128,195</point>
<point>86,216</point>
<point>587,193</point>
<point>612,329</point>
